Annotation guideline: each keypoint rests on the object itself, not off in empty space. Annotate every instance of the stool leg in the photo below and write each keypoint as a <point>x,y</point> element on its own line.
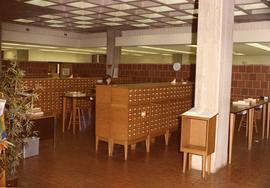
<point>240,123</point>
<point>184,162</point>
<point>70,118</point>
<point>79,116</point>
<point>203,166</point>
<point>83,117</point>
<point>97,140</point>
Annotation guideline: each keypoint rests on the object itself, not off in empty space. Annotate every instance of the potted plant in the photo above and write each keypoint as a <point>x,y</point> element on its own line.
<point>17,122</point>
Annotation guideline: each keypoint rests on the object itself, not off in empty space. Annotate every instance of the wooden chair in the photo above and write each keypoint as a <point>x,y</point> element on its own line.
<point>244,120</point>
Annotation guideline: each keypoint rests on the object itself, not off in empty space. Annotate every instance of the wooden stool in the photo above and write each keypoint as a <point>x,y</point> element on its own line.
<point>79,111</point>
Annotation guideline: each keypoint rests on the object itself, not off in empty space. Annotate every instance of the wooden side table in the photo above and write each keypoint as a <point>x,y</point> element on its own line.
<point>46,129</point>
<point>198,137</point>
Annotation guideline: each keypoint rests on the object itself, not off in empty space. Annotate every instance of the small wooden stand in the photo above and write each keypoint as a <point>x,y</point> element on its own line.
<point>198,137</point>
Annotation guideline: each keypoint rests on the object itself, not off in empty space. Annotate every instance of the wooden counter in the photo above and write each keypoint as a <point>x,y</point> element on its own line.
<point>130,113</point>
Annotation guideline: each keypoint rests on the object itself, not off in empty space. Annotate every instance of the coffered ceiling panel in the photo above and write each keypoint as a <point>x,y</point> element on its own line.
<point>99,15</point>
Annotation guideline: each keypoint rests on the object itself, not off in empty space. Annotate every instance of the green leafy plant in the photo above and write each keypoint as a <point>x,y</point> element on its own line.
<point>17,122</point>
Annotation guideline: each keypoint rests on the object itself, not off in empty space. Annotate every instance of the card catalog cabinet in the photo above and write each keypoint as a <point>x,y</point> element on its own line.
<point>139,112</point>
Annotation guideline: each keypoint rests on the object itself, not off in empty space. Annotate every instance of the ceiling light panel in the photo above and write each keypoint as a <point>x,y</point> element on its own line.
<point>23,20</point>
<point>166,49</point>
<point>138,51</point>
<point>115,19</point>
<point>153,15</point>
<point>239,13</point>
<point>84,26</point>
<point>122,6</point>
<point>40,3</point>
<point>160,9</point>
<point>82,18</point>
<point>168,2</point>
<point>82,12</point>
<point>140,25</point>
<point>260,46</point>
<point>146,21</point>
<point>83,22</point>
<point>176,22</point>
<point>261,11</point>
<point>54,21</point>
<point>192,11</point>
<point>81,4</point>
<point>253,6</point>
<point>56,25</point>
<point>112,23</point>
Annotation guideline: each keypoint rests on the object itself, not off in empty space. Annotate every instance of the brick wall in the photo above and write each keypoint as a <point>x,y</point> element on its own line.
<point>250,81</point>
<point>247,80</point>
<point>156,72</point>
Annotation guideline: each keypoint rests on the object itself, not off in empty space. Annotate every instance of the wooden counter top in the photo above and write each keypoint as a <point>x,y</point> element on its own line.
<point>149,85</point>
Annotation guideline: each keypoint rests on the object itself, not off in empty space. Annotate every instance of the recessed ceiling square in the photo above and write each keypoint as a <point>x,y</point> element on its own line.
<point>146,21</point>
<point>160,9</point>
<point>153,15</point>
<point>81,4</point>
<point>117,13</point>
<point>82,12</point>
<point>40,3</point>
<point>168,2</point>
<point>188,17</point>
<point>50,16</point>
<point>122,6</point>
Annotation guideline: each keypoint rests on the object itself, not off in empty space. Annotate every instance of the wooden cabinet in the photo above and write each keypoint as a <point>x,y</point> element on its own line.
<point>131,113</point>
<point>198,137</point>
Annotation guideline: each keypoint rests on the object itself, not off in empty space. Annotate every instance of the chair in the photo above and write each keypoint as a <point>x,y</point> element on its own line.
<point>244,120</point>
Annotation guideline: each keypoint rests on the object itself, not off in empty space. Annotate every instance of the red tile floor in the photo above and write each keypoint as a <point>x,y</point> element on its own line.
<point>74,163</point>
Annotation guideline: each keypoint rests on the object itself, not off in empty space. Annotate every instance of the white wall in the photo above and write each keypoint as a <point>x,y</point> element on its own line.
<point>36,55</point>
<point>255,60</point>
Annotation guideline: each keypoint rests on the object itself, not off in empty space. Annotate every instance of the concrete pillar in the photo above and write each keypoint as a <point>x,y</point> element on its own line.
<point>213,71</point>
<point>113,52</point>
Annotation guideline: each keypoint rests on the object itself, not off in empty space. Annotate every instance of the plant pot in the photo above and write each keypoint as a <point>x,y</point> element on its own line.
<point>12,183</point>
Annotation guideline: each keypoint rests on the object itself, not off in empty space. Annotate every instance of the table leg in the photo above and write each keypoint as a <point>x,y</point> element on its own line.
<point>264,118</point>
<point>74,113</point>
<point>268,120</point>
<point>54,132</point>
<point>232,124</point>
<point>250,127</point>
<point>63,114</point>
